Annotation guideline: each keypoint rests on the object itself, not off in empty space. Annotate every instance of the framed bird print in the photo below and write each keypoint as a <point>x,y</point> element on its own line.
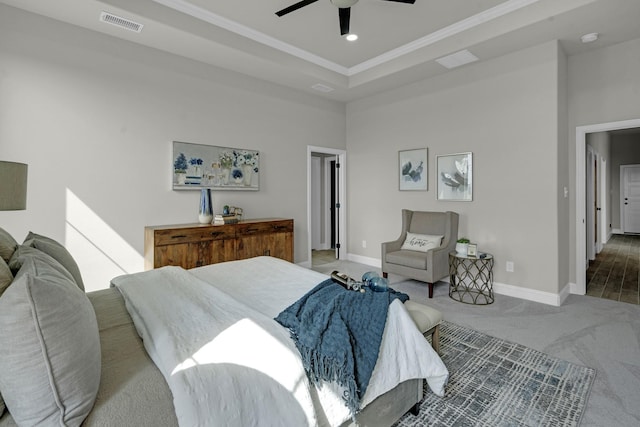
<point>412,167</point>
<point>455,177</point>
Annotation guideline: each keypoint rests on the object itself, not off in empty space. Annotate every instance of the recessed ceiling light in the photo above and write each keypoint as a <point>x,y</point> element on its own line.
<point>352,37</point>
<point>588,38</point>
<point>457,59</point>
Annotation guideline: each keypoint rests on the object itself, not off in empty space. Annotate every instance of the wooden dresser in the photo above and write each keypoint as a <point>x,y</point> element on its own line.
<point>195,245</point>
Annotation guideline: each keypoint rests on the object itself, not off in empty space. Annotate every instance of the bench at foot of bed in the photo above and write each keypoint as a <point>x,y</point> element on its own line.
<point>428,321</point>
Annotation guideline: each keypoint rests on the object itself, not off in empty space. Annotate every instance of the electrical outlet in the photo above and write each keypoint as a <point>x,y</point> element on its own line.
<point>364,243</point>
<point>510,266</point>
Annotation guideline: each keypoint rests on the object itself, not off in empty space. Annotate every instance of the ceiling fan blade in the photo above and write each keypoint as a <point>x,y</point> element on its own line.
<point>296,6</point>
<point>345,17</point>
<point>403,1</point>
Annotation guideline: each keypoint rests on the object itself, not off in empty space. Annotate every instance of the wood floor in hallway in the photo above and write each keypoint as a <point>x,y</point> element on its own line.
<point>615,273</point>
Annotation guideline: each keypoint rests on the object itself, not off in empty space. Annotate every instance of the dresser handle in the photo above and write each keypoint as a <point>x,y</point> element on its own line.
<point>217,233</point>
<point>180,236</point>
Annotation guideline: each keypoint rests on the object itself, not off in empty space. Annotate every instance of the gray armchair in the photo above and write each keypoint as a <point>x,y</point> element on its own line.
<point>429,266</point>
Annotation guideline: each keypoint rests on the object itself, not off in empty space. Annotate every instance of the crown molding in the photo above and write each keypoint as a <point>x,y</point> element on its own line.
<point>439,35</point>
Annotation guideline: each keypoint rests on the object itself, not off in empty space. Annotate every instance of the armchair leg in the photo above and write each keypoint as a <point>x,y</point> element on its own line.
<point>430,290</point>
<point>385,274</point>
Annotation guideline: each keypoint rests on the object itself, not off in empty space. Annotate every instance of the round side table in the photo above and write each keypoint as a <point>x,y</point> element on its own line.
<point>471,278</point>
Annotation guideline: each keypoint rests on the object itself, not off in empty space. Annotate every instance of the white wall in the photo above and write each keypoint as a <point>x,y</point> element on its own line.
<point>94,118</point>
<point>506,112</point>
<point>564,220</point>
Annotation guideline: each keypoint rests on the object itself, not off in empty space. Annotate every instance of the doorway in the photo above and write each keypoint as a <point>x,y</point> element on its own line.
<point>581,193</point>
<point>630,198</point>
<point>326,207</point>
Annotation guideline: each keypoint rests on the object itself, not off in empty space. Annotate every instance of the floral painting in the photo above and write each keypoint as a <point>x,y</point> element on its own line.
<point>413,169</point>
<point>198,166</point>
<point>455,177</point>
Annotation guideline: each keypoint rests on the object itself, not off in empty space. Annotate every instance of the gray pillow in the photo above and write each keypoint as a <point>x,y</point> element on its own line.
<point>23,253</point>
<point>6,277</point>
<point>57,251</point>
<point>7,245</point>
<point>49,348</point>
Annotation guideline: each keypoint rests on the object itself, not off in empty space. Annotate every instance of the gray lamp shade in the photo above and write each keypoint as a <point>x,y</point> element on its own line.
<point>13,186</point>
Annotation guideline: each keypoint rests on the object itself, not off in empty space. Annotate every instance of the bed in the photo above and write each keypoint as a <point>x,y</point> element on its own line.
<point>130,389</point>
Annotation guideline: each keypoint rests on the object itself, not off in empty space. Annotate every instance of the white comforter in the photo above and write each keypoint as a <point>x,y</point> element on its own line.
<point>211,332</point>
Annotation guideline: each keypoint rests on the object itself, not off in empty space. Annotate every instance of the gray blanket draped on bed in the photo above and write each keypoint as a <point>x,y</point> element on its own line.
<point>338,333</point>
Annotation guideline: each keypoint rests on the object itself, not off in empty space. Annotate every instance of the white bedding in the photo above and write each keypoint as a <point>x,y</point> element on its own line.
<point>225,352</point>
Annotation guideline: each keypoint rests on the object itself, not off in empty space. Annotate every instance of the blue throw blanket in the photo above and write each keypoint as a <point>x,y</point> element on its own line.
<point>338,333</point>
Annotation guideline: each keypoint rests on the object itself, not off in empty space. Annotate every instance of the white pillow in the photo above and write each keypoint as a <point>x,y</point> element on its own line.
<point>49,347</point>
<point>421,242</point>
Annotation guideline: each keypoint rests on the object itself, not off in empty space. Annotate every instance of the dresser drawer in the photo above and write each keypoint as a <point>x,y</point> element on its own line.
<point>284,226</point>
<point>189,235</point>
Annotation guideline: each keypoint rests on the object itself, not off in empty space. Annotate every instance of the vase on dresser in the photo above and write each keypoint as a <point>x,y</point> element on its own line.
<point>205,213</point>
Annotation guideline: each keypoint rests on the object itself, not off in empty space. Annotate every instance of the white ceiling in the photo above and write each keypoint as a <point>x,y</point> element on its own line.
<point>398,43</point>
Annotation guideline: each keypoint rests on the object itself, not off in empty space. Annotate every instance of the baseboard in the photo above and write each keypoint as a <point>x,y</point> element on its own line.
<point>548,298</point>
<point>564,293</point>
<point>616,231</point>
<point>373,262</point>
<point>543,297</point>
<point>305,264</point>
<point>573,289</point>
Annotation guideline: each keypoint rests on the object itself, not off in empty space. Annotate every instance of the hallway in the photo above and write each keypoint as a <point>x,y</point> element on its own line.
<point>614,274</point>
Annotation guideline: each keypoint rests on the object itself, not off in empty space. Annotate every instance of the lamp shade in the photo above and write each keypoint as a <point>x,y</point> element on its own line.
<point>13,186</point>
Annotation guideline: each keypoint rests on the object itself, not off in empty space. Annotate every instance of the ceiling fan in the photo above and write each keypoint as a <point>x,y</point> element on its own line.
<point>344,10</point>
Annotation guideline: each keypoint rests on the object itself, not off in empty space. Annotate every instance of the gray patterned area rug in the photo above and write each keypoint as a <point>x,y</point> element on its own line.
<point>493,382</point>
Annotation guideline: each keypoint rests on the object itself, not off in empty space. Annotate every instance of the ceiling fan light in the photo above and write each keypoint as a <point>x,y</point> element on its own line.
<point>344,3</point>
<point>352,37</point>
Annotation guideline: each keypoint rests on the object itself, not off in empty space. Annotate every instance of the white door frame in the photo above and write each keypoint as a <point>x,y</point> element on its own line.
<point>590,252</point>
<point>342,197</point>
<point>327,201</point>
<point>603,195</point>
<point>316,203</point>
<point>581,238</point>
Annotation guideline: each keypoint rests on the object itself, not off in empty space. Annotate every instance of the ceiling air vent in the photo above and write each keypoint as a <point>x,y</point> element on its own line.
<point>127,24</point>
<point>457,59</point>
<point>322,88</point>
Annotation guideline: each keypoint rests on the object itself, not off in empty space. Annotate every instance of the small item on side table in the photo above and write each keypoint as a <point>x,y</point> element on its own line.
<point>472,249</point>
